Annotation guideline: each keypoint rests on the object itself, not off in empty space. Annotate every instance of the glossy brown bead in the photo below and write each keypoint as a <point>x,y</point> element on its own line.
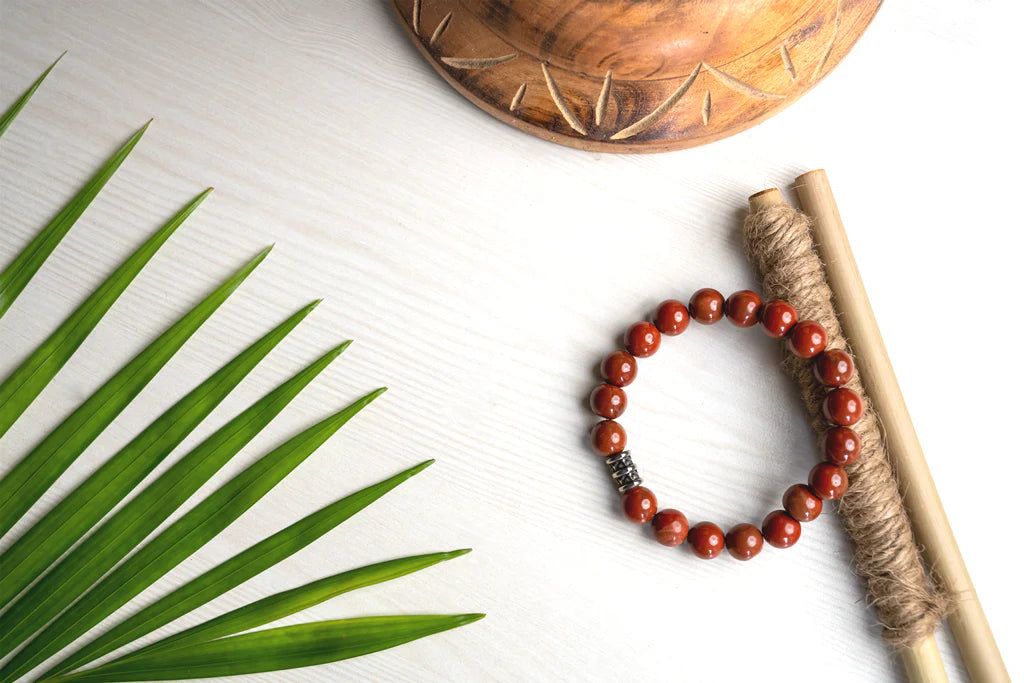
<point>807,339</point>
<point>777,318</point>
<point>833,368</point>
<point>828,481</point>
<point>780,530</point>
<point>842,446</point>
<point>619,368</point>
<point>843,406</point>
<point>670,527</point>
<point>643,339</point>
<point>607,437</point>
<point>801,504</point>
<point>744,541</point>
<point>639,504</point>
<point>608,401</point>
<point>741,308</point>
<point>706,306</point>
<point>706,540</point>
<point>672,317</point>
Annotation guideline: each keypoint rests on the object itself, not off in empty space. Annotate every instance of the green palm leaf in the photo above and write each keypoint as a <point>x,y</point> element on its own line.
<point>23,385</point>
<point>30,478</point>
<point>47,601</point>
<point>18,273</point>
<point>81,509</point>
<point>287,647</point>
<point>280,605</point>
<point>10,114</point>
<point>236,570</point>
<point>178,541</point>
<point>123,531</point>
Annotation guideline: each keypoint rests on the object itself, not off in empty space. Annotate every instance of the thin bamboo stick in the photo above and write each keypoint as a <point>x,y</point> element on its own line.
<point>928,519</point>
<point>922,661</point>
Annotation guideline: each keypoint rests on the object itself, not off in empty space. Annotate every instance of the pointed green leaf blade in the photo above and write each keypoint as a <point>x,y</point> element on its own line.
<point>285,603</point>
<point>278,649</point>
<point>81,509</point>
<point>9,115</point>
<point>23,385</point>
<point>35,473</point>
<point>19,271</point>
<point>127,527</point>
<point>178,541</point>
<point>238,569</point>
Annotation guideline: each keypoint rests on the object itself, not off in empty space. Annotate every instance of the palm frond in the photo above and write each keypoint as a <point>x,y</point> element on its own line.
<point>30,478</point>
<point>236,570</point>
<point>26,381</point>
<point>178,541</point>
<point>287,647</point>
<point>81,509</point>
<point>123,531</point>
<point>52,591</point>
<point>279,605</point>
<point>18,273</point>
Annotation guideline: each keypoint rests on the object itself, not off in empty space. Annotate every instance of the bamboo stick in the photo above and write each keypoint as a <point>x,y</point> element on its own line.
<point>928,519</point>
<point>922,661</point>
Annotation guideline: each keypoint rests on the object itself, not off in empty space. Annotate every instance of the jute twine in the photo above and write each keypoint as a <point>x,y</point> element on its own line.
<point>780,247</point>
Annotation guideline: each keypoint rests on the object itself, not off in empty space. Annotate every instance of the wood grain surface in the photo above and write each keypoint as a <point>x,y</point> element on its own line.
<point>483,273</point>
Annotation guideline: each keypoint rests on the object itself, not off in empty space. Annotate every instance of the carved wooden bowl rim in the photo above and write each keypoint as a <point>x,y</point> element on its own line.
<point>570,117</point>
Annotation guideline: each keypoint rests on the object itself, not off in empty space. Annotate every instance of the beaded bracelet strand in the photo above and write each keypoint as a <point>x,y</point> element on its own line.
<point>801,502</point>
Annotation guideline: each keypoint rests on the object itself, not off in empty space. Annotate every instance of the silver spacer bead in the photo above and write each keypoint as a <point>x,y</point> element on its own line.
<point>623,471</point>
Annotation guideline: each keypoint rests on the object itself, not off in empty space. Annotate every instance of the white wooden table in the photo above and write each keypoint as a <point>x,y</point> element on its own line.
<point>483,273</point>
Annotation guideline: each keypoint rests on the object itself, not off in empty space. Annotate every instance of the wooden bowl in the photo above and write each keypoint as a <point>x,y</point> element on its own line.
<point>634,75</point>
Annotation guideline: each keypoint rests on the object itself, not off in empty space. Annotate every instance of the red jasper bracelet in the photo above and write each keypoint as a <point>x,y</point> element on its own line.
<point>801,502</point>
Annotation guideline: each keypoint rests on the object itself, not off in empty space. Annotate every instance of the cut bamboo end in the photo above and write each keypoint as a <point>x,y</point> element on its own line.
<point>927,516</point>
<point>765,198</point>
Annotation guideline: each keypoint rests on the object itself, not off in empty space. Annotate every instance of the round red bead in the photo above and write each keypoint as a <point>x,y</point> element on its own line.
<point>741,308</point>
<point>707,540</point>
<point>777,317</point>
<point>842,446</point>
<point>607,437</point>
<point>828,481</point>
<point>833,368</point>
<point>744,541</point>
<point>608,401</point>
<point>801,504</point>
<point>670,527</point>
<point>807,339</point>
<point>639,504</point>
<point>672,317</point>
<point>843,406</point>
<point>619,368</point>
<point>643,339</point>
<point>706,306</point>
<point>780,530</point>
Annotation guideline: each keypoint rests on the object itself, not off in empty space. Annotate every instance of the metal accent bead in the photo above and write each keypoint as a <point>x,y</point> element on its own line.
<point>623,471</point>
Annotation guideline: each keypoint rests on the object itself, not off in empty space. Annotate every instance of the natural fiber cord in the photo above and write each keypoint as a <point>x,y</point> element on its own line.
<point>780,247</point>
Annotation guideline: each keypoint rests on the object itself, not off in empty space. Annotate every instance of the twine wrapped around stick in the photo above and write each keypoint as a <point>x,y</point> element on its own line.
<point>779,245</point>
